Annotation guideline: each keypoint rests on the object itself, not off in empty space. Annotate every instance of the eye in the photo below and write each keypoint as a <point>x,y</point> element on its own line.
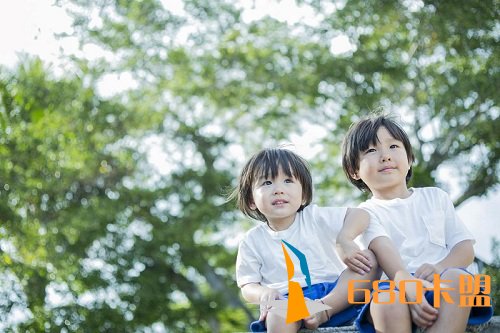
<point>288,180</point>
<point>267,182</point>
<point>369,150</point>
<point>394,146</point>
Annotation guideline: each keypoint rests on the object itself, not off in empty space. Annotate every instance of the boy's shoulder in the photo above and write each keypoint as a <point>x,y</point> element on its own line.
<point>317,213</point>
<point>256,230</point>
<point>430,191</point>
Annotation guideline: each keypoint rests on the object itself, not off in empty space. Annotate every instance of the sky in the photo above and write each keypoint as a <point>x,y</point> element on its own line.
<point>28,26</point>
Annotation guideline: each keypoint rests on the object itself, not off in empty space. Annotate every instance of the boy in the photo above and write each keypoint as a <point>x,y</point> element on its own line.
<point>275,187</point>
<point>412,230</point>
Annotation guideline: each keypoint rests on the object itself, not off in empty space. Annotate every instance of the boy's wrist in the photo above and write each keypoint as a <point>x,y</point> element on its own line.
<point>346,247</point>
<point>345,242</point>
<point>402,276</point>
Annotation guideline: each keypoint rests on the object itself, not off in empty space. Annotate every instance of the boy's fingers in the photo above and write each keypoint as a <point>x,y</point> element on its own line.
<point>427,311</point>
<point>420,321</point>
<point>365,260</point>
<point>263,313</point>
<point>364,269</point>
<point>423,316</point>
<point>363,263</point>
<point>350,264</point>
<point>426,274</point>
<point>427,314</point>
<point>359,267</point>
<point>427,285</point>
<point>429,308</point>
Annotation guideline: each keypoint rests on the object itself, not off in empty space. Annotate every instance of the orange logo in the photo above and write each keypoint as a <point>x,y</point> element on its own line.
<point>474,291</point>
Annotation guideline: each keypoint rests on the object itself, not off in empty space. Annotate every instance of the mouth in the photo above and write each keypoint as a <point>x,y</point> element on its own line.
<point>279,202</point>
<point>385,169</point>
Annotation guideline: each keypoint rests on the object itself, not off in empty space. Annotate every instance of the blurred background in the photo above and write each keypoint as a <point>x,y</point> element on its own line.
<point>124,124</point>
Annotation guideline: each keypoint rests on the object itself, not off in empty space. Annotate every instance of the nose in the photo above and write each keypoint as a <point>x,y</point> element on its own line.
<point>277,189</point>
<point>386,156</point>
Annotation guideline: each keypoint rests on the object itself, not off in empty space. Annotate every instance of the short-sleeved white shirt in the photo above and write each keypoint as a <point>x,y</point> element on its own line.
<point>314,231</point>
<point>424,226</point>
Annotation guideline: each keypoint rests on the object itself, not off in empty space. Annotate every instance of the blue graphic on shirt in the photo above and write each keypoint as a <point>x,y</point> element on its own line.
<point>303,262</point>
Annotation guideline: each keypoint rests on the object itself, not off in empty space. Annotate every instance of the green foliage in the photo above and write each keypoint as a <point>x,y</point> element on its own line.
<point>129,245</point>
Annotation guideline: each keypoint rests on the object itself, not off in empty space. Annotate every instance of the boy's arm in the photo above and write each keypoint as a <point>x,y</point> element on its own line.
<point>256,293</point>
<point>461,255</point>
<point>355,222</point>
<point>388,258</point>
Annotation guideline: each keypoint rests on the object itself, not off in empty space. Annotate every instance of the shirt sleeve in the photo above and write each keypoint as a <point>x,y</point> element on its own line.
<point>375,229</point>
<point>247,265</point>
<point>455,229</point>
<point>331,218</point>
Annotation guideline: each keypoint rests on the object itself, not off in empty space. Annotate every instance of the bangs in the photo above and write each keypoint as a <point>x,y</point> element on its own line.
<point>368,133</point>
<point>271,162</point>
<point>397,133</point>
<point>367,136</point>
<point>268,163</point>
<point>363,134</point>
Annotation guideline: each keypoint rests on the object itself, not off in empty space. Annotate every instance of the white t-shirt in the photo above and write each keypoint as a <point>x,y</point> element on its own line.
<point>314,231</point>
<point>424,226</point>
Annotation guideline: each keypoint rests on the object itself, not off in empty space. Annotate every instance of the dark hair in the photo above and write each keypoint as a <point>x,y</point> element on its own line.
<point>268,162</point>
<point>361,135</point>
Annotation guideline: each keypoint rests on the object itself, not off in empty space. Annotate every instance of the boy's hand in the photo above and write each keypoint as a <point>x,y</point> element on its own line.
<point>357,260</point>
<point>427,271</point>
<point>267,296</point>
<point>422,314</point>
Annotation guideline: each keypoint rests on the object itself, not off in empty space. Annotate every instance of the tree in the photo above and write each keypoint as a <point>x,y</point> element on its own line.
<point>128,245</point>
<point>434,62</point>
<point>85,222</point>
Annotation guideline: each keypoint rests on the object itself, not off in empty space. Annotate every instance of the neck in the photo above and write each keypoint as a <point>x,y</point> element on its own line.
<point>282,224</point>
<point>388,194</point>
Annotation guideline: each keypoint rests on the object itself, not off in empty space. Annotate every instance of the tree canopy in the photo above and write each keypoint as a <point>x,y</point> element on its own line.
<point>96,237</point>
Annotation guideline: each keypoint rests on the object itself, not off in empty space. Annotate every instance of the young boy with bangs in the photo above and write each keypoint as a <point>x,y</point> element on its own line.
<point>275,187</point>
<point>415,234</point>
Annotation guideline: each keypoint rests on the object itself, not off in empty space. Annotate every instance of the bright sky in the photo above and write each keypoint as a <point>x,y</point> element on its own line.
<point>29,26</point>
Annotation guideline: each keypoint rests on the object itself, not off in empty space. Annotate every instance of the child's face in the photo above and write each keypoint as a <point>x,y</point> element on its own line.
<point>383,167</point>
<point>278,199</point>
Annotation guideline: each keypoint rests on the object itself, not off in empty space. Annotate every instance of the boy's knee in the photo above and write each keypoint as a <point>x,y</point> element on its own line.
<point>394,317</point>
<point>453,275</point>
<point>276,323</point>
<point>386,309</point>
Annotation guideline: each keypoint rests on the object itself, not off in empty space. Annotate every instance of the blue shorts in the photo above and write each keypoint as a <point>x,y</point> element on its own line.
<point>478,314</point>
<point>319,290</point>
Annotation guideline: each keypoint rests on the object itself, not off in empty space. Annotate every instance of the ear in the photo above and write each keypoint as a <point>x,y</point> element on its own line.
<point>252,206</point>
<point>355,176</point>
